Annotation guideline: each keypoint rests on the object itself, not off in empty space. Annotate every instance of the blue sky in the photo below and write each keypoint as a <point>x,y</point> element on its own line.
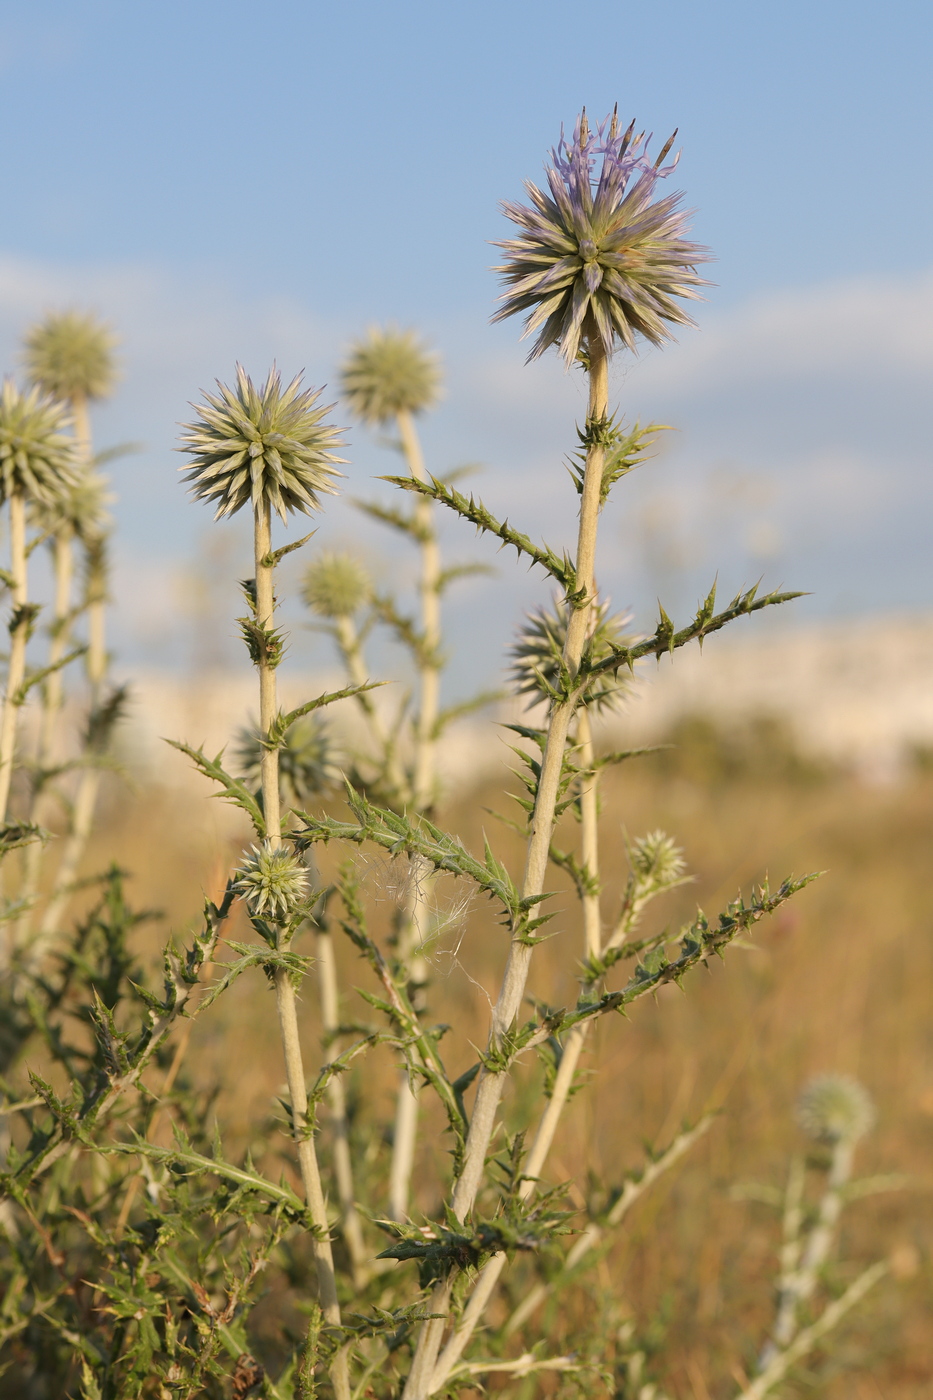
<point>237,181</point>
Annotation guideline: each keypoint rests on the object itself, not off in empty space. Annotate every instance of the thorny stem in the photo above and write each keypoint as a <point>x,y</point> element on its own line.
<point>490,1085</point>
<point>19,630</point>
<point>570,1058</point>
<point>424,779</point>
<point>285,1000</point>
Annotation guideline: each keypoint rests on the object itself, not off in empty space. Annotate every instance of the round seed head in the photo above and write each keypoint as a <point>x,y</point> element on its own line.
<point>657,860</point>
<point>37,455</point>
<point>388,372</point>
<point>536,655</point>
<point>82,507</point>
<point>307,766</point>
<point>336,585</point>
<point>69,354</point>
<point>273,882</point>
<point>835,1108</point>
<point>596,253</point>
<point>254,445</point>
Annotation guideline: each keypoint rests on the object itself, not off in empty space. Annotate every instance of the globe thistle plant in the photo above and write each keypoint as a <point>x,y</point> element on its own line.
<point>69,354</point>
<point>273,882</point>
<point>598,249</point>
<point>38,465</point>
<point>389,372</point>
<point>336,586</point>
<point>834,1108</point>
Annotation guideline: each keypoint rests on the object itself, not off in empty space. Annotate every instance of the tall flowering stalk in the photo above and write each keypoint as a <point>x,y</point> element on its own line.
<point>37,464</point>
<point>390,378</point>
<point>272,448</point>
<point>70,355</point>
<point>597,261</point>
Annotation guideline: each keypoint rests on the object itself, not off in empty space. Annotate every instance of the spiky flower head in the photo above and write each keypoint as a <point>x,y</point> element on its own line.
<point>254,445</point>
<point>37,455</point>
<point>657,860</point>
<point>598,255</point>
<point>69,354</point>
<point>273,882</point>
<point>336,585</point>
<point>389,371</point>
<point>81,507</point>
<point>307,766</point>
<point>536,655</point>
<point>835,1108</point>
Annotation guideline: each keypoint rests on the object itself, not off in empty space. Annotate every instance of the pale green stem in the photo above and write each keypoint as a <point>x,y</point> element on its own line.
<point>570,1058</point>
<point>284,990</point>
<point>16,669</point>
<point>799,1281</point>
<point>508,1005</point>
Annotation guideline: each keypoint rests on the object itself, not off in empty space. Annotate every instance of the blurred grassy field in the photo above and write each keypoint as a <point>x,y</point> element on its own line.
<point>841,980</point>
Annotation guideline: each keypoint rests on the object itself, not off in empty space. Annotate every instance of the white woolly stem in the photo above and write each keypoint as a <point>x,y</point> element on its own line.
<point>284,990</point>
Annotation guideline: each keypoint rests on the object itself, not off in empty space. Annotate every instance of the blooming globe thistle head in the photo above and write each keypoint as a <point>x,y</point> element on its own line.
<point>389,372</point>
<point>37,455</point>
<point>835,1108</point>
<point>537,653</point>
<point>306,761</point>
<point>336,585</point>
<point>254,445</point>
<point>596,253</point>
<point>69,354</point>
<point>273,882</point>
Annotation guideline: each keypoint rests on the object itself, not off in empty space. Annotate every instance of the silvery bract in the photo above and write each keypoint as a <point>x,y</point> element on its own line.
<point>387,373</point>
<point>37,456</point>
<point>70,355</point>
<point>598,249</point>
<point>270,444</point>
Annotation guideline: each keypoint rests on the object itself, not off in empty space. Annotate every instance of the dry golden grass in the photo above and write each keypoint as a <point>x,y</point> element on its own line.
<point>842,980</point>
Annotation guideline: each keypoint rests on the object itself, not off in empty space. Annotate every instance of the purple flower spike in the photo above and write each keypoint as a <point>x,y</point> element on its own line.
<point>597,255</point>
